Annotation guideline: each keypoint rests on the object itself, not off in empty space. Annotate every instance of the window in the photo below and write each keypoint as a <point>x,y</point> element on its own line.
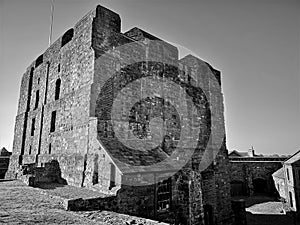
<point>32,126</point>
<point>49,149</point>
<point>37,98</point>
<point>39,61</point>
<point>164,195</point>
<point>57,89</point>
<point>291,198</point>
<point>288,174</point>
<point>29,89</point>
<point>67,37</point>
<point>58,68</point>
<point>112,176</point>
<point>29,150</point>
<point>53,120</point>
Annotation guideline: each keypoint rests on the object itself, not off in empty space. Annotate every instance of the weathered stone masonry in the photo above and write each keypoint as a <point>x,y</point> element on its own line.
<point>64,115</point>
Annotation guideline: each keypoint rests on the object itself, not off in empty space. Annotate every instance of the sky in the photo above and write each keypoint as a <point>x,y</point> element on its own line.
<point>254,43</point>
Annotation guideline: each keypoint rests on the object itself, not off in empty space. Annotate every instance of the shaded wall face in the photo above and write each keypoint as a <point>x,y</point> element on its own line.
<point>145,200</point>
<point>251,173</point>
<point>113,74</point>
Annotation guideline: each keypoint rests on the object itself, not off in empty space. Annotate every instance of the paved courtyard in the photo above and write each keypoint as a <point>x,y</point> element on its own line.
<point>264,210</point>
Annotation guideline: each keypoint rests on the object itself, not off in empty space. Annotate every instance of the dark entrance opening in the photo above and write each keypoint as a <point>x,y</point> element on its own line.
<point>260,186</point>
<point>208,215</point>
<point>238,188</point>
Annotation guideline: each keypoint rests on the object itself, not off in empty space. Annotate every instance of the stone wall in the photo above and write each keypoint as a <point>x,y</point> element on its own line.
<point>248,170</point>
<point>77,81</point>
<point>4,162</point>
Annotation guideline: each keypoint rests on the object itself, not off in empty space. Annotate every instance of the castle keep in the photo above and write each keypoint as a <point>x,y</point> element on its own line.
<point>72,110</point>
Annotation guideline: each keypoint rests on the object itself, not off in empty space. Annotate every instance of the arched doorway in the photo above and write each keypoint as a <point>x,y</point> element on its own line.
<point>238,188</point>
<point>259,186</point>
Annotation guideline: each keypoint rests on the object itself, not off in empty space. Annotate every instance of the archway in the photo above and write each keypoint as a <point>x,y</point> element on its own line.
<point>259,186</point>
<point>238,188</point>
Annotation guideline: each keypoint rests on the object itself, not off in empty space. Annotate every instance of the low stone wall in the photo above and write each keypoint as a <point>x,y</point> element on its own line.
<point>4,162</point>
<point>87,204</point>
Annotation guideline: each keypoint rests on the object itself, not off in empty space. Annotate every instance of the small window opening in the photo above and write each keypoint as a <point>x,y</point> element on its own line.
<point>53,120</point>
<point>37,98</point>
<point>288,174</point>
<point>291,199</point>
<point>57,88</point>
<point>58,68</point>
<point>49,149</point>
<point>112,176</point>
<point>29,150</point>
<point>39,61</point>
<point>67,37</point>
<point>164,195</point>
<point>32,126</point>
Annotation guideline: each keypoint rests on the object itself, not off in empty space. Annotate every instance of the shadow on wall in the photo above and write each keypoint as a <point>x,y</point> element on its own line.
<point>50,173</point>
<point>4,162</point>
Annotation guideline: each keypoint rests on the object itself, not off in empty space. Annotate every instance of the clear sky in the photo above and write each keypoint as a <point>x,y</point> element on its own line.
<point>255,44</point>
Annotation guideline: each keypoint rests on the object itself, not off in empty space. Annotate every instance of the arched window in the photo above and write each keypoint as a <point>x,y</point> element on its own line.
<point>57,88</point>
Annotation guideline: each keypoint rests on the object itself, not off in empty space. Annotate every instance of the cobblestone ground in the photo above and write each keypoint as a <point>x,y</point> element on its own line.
<point>20,204</point>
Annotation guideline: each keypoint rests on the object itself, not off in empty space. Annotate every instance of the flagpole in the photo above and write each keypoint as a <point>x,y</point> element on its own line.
<point>51,22</point>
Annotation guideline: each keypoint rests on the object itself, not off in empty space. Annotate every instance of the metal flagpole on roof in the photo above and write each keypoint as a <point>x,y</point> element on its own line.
<point>51,22</point>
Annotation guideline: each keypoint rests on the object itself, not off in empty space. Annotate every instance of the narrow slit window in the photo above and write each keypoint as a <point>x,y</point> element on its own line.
<point>53,121</point>
<point>291,199</point>
<point>37,99</point>
<point>57,88</point>
<point>32,126</point>
<point>112,176</point>
<point>49,149</point>
<point>29,150</point>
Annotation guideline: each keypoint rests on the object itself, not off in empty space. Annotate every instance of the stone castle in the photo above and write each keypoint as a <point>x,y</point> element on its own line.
<point>67,98</point>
